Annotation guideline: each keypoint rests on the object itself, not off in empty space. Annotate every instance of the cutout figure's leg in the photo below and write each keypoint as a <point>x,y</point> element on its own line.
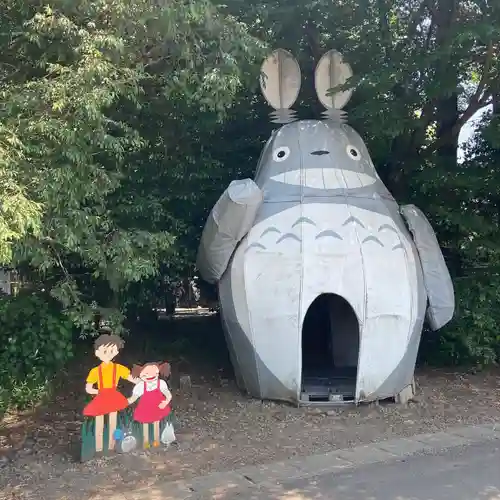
<point>145,435</point>
<point>156,441</point>
<point>111,429</point>
<point>99,432</point>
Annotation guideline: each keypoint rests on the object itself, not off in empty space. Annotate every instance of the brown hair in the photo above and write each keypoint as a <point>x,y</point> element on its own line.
<point>164,368</point>
<point>108,339</point>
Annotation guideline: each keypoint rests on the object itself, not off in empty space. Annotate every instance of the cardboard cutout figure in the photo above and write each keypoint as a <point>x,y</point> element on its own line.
<point>154,399</point>
<point>107,399</point>
<point>317,230</point>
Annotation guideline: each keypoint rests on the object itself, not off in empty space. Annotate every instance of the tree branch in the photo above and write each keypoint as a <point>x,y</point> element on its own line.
<point>385,32</point>
<point>477,101</point>
<point>312,41</point>
<point>427,43</point>
<point>455,130</point>
<point>488,63</point>
<point>415,19</point>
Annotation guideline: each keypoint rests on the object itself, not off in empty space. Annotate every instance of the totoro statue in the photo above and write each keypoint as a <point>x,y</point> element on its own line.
<point>324,280</point>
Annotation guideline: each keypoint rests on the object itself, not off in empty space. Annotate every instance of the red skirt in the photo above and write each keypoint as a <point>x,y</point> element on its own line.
<point>107,401</point>
<point>146,414</point>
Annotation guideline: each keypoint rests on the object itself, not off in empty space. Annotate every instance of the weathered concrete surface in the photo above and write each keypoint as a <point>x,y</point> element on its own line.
<point>386,463</point>
<point>464,473</point>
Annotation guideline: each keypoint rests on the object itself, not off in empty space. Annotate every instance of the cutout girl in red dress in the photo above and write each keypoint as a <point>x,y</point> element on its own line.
<point>155,398</point>
<point>107,399</point>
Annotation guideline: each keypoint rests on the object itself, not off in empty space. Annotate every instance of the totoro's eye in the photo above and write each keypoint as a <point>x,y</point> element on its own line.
<point>353,153</point>
<point>281,154</point>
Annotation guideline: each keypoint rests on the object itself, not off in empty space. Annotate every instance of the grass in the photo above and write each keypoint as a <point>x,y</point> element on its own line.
<point>197,341</point>
<point>126,423</point>
<point>22,394</point>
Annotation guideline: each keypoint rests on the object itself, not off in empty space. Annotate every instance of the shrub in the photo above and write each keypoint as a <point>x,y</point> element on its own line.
<point>473,336</point>
<point>35,342</point>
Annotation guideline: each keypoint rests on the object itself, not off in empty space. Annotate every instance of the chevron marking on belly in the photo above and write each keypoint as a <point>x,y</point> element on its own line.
<point>288,236</point>
<point>271,229</point>
<point>388,227</point>
<point>374,239</point>
<point>353,220</point>
<point>329,233</point>
<point>255,245</point>
<point>303,220</point>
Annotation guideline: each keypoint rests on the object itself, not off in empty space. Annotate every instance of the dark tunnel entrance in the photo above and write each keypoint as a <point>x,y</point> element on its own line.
<point>330,350</point>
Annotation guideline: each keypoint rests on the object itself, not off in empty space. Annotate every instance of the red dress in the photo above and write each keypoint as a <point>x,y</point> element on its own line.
<point>108,400</point>
<point>148,410</point>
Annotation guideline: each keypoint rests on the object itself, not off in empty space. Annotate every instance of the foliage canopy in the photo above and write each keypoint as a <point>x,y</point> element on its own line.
<point>122,121</point>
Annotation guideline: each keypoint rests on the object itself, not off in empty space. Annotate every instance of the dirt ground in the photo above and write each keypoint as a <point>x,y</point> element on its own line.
<point>219,428</point>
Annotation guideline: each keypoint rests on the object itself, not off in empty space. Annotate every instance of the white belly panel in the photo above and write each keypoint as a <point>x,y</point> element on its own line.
<point>273,276</point>
<point>391,297</point>
<point>332,257</point>
<point>305,250</point>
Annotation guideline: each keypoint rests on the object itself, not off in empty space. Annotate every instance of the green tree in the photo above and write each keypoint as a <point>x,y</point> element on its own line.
<point>97,97</point>
<point>422,69</point>
<point>122,122</point>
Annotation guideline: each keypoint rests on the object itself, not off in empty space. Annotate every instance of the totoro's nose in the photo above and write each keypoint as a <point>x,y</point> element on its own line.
<point>320,152</point>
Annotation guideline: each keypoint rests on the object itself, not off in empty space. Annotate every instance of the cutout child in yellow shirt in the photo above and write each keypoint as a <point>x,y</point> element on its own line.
<point>107,400</point>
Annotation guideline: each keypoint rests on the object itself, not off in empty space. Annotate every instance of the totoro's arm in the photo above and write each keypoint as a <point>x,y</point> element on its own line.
<point>437,279</point>
<point>229,221</point>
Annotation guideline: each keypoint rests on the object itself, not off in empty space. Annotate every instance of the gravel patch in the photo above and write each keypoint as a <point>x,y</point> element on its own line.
<point>220,429</point>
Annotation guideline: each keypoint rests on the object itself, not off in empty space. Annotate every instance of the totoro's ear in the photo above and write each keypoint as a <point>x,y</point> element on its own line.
<point>280,84</point>
<point>332,71</point>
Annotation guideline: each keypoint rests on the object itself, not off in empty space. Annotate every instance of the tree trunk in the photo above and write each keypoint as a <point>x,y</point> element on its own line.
<point>496,105</point>
<point>447,107</point>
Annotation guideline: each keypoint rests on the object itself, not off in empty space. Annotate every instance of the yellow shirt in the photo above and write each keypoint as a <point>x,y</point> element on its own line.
<point>107,375</point>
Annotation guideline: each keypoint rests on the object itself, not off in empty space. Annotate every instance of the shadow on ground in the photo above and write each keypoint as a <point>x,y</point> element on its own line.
<point>219,428</point>
<point>193,343</point>
<point>462,473</point>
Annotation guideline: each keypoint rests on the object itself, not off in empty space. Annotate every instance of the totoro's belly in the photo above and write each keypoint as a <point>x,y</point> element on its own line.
<point>291,257</point>
<point>365,256</point>
<point>328,230</point>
